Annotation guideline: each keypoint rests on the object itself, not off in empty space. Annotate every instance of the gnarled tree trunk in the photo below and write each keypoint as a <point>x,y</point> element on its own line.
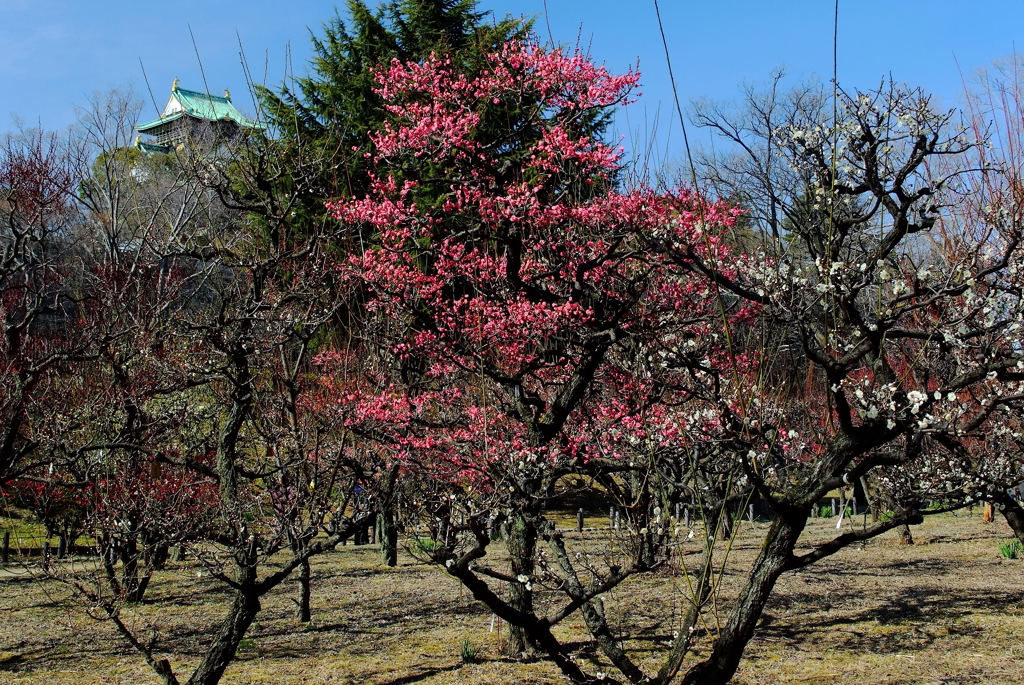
<point>776,551</point>
<point>1014,515</point>
<point>244,608</point>
<point>522,545</point>
<point>302,608</point>
<point>387,531</point>
<point>387,536</point>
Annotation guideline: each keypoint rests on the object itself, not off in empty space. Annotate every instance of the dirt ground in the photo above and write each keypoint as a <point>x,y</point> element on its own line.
<point>947,610</point>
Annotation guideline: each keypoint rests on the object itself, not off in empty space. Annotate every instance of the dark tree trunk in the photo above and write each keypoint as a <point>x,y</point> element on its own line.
<point>1014,515</point>
<point>387,535</point>
<point>522,545</point>
<point>138,576</point>
<point>244,609</point>
<point>137,567</point>
<point>860,494</point>
<point>387,531</point>
<point>593,611</point>
<point>138,590</point>
<point>725,524</point>
<point>108,557</point>
<point>159,557</point>
<point>776,551</point>
<point>302,609</point>
<point>540,631</point>
<point>131,582</point>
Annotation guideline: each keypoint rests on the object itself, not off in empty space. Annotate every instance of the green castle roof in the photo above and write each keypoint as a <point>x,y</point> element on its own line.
<point>151,148</point>
<point>202,106</point>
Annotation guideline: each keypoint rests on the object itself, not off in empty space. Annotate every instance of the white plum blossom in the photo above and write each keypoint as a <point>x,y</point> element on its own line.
<point>916,399</point>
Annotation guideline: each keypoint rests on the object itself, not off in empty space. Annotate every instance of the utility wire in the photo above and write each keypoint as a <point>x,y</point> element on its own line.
<point>149,88</point>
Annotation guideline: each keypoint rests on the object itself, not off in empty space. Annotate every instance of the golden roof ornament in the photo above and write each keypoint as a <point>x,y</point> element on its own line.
<point>174,86</point>
<point>227,94</point>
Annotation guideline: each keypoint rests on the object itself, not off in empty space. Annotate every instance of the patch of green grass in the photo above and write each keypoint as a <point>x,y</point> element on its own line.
<point>468,652</point>
<point>1010,549</point>
<point>427,545</point>
<point>24,532</point>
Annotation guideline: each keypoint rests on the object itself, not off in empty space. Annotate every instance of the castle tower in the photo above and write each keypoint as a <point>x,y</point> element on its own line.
<point>190,115</point>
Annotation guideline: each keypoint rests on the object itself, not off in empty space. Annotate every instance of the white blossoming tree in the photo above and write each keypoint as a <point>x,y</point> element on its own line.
<point>890,313</point>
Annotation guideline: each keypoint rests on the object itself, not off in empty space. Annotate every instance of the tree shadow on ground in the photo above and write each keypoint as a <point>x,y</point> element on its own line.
<point>911,620</point>
<point>422,674</point>
<point>34,659</point>
<point>13,661</point>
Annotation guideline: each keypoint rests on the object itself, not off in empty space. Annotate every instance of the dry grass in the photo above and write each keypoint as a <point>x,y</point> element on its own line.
<point>948,610</point>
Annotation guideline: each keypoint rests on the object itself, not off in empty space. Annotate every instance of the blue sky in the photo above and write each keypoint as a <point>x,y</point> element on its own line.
<point>55,53</point>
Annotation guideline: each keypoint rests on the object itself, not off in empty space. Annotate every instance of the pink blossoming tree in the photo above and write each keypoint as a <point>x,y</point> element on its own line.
<point>520,325</point>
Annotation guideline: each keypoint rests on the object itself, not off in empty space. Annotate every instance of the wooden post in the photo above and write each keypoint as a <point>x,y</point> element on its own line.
<point>750,513</point>
<point>834,512</point>
<point>679,507</point>
<point>45,555</point>
<point>611,517</point>
<point>5,547</point>
<point>579,520</point>
<point>686,516</point>
<point>62,546</point>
